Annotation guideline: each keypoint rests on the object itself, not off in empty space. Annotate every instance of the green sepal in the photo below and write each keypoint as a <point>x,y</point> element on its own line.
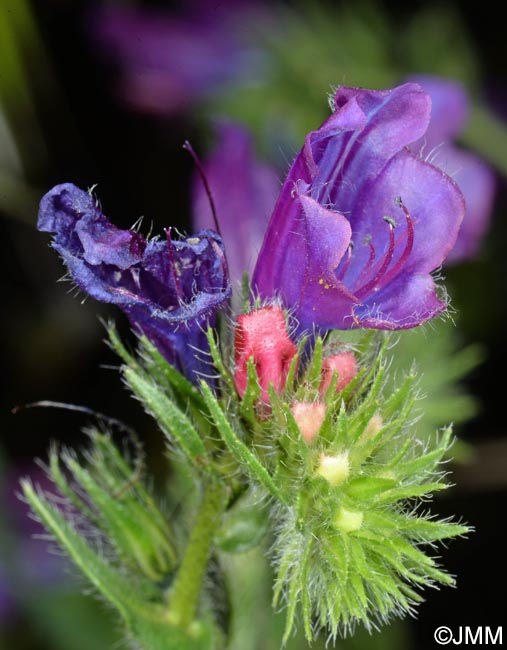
<point>176,426</point>
<point>367,487</point>
<point>313,374</point>
<point>216,357</point>
<point>166,375</point>
<point>241,453</point>
<point>252,394</point>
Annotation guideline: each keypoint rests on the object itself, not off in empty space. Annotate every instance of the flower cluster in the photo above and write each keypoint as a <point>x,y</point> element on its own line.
<point>298,432</point>
<point>360,225</point>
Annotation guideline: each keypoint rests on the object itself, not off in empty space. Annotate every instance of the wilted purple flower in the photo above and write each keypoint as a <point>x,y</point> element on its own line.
<point>361,221</point>
<point>168,289</point>
<point>244,193</point>
<point>475,178</point>
<point>169,59</point>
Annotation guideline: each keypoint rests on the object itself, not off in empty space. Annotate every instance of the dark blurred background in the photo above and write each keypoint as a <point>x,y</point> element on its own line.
<point>63,118</point>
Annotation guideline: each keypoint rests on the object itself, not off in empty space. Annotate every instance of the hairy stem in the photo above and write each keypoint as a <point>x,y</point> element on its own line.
<point>184,597</point>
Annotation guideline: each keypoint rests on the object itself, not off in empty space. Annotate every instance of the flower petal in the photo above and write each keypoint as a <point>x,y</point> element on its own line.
<point>406,302</point>
<point>434,202</point>
<point>169,290</point>
<point>393,120</point>
<point>477,181</point>
<point>474,177</point>
<point>169,59</point>
<point>449,111</point>
<point>302,271</point>
<point>75,218</point>
<point>358,163</point>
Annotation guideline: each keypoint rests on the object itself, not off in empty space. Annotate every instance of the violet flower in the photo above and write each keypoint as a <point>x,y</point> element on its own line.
<point>168,289</point>
<point>361,221</point>
<point>244,193</point>
<point>170,59</point>
<point>475,178</point>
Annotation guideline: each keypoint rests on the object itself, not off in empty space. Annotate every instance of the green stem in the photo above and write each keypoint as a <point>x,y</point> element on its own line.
<point>184,598</point>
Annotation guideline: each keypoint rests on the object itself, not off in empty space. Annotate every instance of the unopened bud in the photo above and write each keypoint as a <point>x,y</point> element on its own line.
<point>335,469</point>
<point>309,417</point>
<point>344,364</point>
<point>262,336</point>
<point>373,427</point>
<point>348,520</point>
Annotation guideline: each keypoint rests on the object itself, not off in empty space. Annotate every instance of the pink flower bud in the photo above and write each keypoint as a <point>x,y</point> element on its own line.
<point>309,417</point>
<point>262,336</point>
<point>344,364</point>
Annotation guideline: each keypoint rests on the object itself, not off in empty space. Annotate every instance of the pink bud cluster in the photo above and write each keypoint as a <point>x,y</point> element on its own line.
<point>262,336</point>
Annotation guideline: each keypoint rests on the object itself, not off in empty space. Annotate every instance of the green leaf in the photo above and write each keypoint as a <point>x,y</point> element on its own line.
<point>117,345</point>
<point>109,582</point>
<point>294,364</point>
<point>425,463</point>
<point>61,482</point>
<point>154,635</point>
<point>395,403</point>
<point>313,374</point>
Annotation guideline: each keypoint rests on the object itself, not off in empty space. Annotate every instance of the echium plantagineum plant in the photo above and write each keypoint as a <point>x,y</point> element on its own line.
<point>283,423</point>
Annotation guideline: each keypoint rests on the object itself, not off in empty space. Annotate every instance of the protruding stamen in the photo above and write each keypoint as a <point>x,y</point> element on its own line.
<point>409,244</point>
<point>346,264</point>
<point>202,174</point>
<point>383,266</point>
<point>410,233</point>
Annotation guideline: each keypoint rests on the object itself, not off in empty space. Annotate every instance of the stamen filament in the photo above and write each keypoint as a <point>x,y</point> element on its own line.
<point>383,267</point>
<point>371,258</point>
<point>202,174</point>
<point>408,246</point>
<point>346,264</point>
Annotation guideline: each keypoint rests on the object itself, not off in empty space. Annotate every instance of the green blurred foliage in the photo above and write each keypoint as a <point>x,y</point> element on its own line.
<point>312,48</point>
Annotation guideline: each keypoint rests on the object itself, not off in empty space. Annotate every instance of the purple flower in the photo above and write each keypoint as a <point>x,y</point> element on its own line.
<point>475,178</point>
<point>168,289</point>
<point>169,60</point>
<point>361,221</point>
<point>244,192</point>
